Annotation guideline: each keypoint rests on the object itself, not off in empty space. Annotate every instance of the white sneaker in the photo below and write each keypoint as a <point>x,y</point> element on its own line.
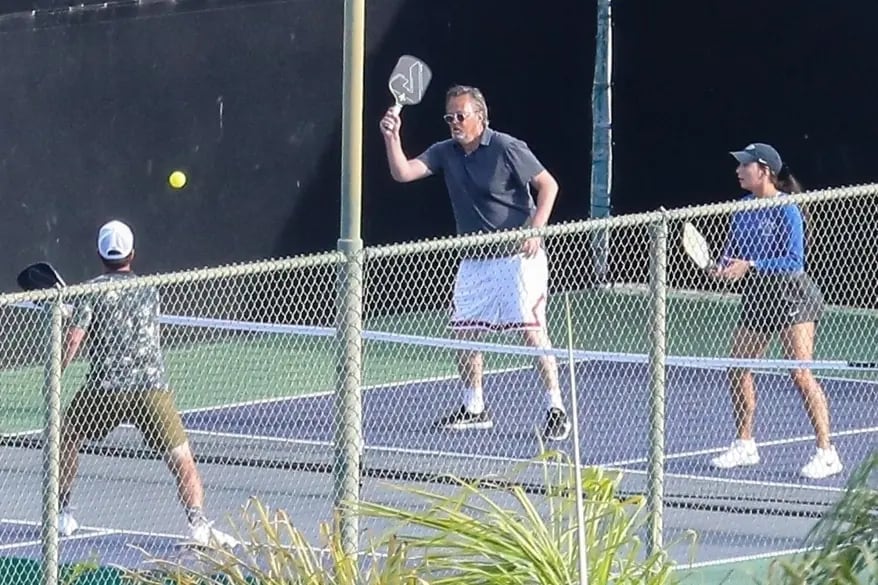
<point>205,534</point>
<point>67,524</point>
<point>824,463</point>
<point>741,453</point>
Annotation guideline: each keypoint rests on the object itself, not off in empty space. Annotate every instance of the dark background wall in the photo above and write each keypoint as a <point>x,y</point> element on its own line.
<point>99,105</point>
<point>696,79</point>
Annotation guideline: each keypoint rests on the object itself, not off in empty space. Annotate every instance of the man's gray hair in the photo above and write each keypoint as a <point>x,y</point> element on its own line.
<point>475,93</point>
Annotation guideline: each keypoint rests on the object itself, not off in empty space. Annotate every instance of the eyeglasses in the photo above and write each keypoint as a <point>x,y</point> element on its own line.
<point>456,117</point>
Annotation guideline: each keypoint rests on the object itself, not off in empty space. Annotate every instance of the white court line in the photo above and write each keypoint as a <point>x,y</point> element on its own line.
<point>717,479</point>
<point>496,458</point>
<point>394,385</point>
<point>377,448</point>
<point>609,466</point>
<point>618,465</point>
<point>752,482</point>
<point>319,394</point>
<point>87,532</point>
<point>756,557</point>
<point>99,530</point>
<point>103,531</point>
<point>266,438</point>
<point>322,393</point>
<point>143,533</point>
<point>462,455</point>
<point>774,443</point>
<point>93,533</point>
<point>786,374</point>
<point>21,522</point>
<point>21,434</point>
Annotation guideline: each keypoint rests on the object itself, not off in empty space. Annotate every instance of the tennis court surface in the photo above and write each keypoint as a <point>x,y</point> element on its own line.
<point>254,357</point>
<point>259,408</point>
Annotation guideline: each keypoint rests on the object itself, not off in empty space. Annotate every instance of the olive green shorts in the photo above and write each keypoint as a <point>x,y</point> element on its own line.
<point>94,413</point>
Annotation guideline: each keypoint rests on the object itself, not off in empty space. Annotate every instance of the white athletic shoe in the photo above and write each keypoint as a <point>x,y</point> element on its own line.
<point>741,453</point>
<point>824,463</point>
<point>205,534</point>
<point>67,524</point>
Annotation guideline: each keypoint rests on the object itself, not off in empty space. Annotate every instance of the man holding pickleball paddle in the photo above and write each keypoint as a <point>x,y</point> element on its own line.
<point>126,381</point>
<point>492,179</point>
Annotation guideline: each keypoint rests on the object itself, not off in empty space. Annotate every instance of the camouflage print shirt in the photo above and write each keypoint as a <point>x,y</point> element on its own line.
<point>122,337</point>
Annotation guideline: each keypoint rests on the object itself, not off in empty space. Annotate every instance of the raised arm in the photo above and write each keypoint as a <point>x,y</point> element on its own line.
<point>402,168</point>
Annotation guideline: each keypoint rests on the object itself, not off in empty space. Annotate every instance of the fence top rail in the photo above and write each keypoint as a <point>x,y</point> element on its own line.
<point>594,225</point>
<point>185,276</point>
<point>449,243</point>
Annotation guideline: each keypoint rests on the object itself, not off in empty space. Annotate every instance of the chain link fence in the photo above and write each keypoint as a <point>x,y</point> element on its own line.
<point>309,382</point>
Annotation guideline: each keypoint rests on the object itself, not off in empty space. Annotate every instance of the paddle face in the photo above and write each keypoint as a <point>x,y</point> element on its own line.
<point>409,81</point>
<point>38,276</point>
<point>696,247</point>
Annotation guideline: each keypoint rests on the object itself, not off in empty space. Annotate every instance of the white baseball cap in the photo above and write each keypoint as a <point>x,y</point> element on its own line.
<point>115,240</point>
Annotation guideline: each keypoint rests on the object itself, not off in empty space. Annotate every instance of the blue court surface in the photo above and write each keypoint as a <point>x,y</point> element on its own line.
<point>614,411</point>
<point>760,509</point>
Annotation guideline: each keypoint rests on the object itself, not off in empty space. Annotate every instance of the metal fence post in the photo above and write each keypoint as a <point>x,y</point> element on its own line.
<point>657,361</point>
<point>602,138</point>
<point>348,407</point>
<point>51,445</point>
<point>348,400</point>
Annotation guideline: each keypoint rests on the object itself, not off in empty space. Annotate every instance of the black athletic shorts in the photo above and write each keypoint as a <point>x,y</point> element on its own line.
<point>773,302</point>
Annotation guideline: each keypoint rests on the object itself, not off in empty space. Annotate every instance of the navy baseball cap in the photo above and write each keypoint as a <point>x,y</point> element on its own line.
<point>762,153</point>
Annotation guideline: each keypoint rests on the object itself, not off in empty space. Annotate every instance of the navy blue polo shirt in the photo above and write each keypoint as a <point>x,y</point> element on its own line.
<point>489,188</point>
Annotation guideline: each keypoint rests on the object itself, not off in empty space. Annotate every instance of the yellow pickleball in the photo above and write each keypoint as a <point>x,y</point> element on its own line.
<point>177,179</point>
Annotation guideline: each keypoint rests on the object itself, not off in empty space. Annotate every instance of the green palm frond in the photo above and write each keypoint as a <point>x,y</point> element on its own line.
<point>842,548</point>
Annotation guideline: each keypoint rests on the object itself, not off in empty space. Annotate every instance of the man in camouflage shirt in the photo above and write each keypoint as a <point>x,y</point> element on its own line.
<point>126,382</point>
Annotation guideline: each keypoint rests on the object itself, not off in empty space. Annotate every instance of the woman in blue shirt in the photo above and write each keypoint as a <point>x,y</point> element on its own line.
<point>766,250</point>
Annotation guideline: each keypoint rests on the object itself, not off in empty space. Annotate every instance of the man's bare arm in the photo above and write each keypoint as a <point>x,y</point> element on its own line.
<point>75,336</point>
<point>546,188</point>
<point>402,169</point>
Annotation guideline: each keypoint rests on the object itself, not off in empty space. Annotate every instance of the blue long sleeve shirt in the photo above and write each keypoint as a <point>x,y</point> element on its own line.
<point>773,238</point>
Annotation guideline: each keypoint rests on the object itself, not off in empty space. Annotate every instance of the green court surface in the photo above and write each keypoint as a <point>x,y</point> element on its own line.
<point>234,367</point>
<point>751,572</point>
<point>28,572</point>
<point>764,571</point>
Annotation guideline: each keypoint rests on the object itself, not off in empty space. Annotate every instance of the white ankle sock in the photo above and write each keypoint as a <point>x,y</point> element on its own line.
<point>748,443</point>
<point>553,399</point>
<point>473,400</point>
